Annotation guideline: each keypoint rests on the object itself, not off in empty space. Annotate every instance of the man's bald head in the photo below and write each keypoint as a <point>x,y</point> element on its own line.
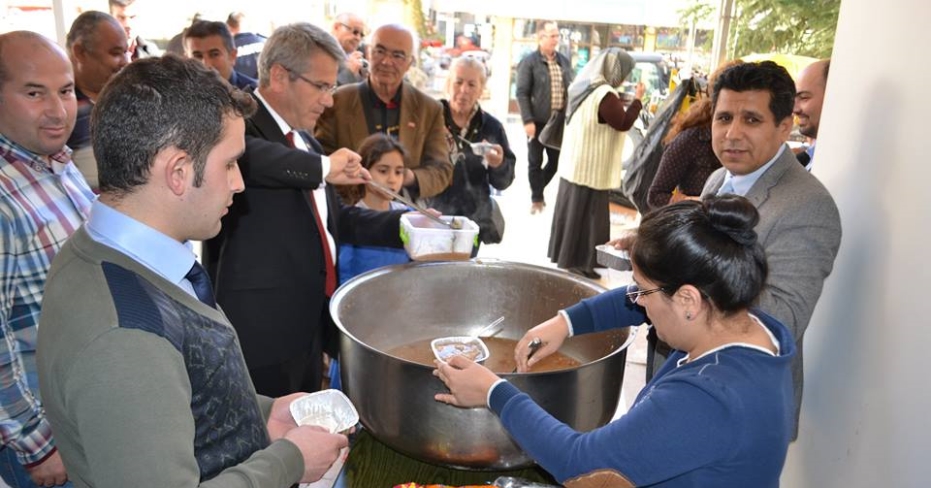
<point>16,42</point>
<point>37,102</point>
<point>809,97</point>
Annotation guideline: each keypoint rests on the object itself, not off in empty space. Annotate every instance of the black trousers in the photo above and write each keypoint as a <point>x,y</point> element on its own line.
<point>538,173</point>
<point>301,373</point>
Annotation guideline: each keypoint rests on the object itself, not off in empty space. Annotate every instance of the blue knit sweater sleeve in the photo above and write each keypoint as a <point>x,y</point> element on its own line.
<point>646,446</point>
<point>609,310</point>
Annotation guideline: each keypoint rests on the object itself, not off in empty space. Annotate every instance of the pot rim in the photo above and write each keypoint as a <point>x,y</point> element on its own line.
<point>355,281</point>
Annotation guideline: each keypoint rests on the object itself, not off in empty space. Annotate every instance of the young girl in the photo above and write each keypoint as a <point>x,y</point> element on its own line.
<point>384,158</point>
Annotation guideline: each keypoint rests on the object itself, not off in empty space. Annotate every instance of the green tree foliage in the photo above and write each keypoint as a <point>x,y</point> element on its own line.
<point>803,27</point>
<point>414,18</point>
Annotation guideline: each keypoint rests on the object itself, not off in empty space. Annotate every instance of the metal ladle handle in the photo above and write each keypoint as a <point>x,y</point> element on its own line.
<point>534,346</point>
<point>409,203</point>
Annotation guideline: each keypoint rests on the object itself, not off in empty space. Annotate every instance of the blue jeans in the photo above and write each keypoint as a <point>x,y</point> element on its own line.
<point>13,473</point>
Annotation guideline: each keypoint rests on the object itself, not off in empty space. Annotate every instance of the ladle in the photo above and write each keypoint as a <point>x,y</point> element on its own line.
<point>534,347</point>
<point>452,224</point>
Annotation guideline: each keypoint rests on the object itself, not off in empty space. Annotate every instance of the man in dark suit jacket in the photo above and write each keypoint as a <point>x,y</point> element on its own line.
<point>272,274</point>
<point>385,103</point>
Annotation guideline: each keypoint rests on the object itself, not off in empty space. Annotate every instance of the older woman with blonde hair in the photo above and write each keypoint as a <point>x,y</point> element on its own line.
<point>484,156</point>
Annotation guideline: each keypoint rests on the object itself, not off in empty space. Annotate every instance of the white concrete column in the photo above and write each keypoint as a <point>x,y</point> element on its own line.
<point>499,85</point>
<point>866,415</point>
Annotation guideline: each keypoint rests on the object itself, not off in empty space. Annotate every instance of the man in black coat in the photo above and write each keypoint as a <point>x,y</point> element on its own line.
<point>543,78</point>
<point>274,261</point>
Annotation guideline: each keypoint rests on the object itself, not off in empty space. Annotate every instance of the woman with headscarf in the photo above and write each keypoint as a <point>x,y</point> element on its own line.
<point>590,164</point>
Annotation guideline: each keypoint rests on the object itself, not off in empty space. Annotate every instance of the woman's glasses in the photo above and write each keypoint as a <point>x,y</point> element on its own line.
<point>634,292</point>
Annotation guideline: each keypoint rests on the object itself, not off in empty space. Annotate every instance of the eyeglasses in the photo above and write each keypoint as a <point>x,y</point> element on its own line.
<point>634,292</point>
<point>324,87</point>
<point>355,32</point>
<point>396,56</point>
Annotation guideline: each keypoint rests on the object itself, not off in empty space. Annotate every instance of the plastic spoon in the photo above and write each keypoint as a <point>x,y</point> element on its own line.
<point>491,329</point>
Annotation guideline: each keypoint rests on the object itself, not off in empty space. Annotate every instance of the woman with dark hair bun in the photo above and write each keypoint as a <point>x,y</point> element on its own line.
<point>720,410</point>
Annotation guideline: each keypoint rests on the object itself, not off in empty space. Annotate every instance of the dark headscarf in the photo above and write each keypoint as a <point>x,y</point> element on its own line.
<point>611,66</point>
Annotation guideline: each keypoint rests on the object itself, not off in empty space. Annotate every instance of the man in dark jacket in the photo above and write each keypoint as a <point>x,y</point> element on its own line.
<point>211,43</point>
<point>542,80</point>
<point>275,267</point>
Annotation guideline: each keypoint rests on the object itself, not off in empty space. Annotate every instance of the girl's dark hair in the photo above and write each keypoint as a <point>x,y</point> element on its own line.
<point>710,245</point>
<point>372,149</point>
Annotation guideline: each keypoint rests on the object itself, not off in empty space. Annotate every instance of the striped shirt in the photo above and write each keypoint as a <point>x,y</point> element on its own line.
<point>42,202</point>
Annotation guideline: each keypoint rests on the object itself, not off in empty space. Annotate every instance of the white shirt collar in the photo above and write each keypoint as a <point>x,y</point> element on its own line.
<point>284,126</point>
<point>743,183</point>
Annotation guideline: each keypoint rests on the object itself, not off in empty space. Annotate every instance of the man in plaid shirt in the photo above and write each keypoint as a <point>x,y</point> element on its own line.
<point>543,76</point>
<point>43,199</point>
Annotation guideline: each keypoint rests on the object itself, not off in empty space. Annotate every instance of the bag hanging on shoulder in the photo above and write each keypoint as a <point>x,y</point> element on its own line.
<point>551,135</point>
<point>494,232</point>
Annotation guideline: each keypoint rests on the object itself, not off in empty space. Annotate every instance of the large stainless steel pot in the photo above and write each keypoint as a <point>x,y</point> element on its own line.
<point>399,305</point>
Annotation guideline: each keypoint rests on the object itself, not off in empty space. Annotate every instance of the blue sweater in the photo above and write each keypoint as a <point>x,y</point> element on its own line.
<point>723,419</point>
<point>357,259</point>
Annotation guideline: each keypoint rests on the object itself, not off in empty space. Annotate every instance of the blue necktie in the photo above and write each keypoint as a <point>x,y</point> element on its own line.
<point>201,283</point>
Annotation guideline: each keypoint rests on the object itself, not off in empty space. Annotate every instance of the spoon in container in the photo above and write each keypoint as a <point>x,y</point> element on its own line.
<point>478,148</point>
<point>534,347</point>
<point>490,329</point>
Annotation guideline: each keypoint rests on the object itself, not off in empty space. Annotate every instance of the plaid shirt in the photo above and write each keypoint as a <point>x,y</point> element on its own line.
<point>557,90</point>
<point>41,204</point>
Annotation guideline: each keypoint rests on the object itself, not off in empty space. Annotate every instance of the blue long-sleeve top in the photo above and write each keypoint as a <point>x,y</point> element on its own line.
<point>722,419</point>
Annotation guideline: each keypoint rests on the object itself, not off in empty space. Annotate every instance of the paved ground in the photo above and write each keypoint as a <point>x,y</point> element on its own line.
<point>526,238</point>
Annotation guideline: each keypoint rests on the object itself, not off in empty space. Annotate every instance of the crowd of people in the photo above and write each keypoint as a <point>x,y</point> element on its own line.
<point>115,159</point>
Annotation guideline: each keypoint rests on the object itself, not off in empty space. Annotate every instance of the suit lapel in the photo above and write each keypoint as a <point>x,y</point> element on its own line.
<point>759,192</point>
<point>265,124</point>
<point>357,127</point>
<point>407,133</point>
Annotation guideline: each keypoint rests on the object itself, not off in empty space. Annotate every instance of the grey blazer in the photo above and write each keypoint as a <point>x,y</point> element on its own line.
<point>800,231</point>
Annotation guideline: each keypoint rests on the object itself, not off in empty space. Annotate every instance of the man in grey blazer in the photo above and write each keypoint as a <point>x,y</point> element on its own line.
<point>799,224</point>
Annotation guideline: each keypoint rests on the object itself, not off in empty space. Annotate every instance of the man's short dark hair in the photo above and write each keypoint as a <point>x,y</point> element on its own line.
<point>201,29</point>
<point>121,3</point>
<point>764,76</point>
<point>158,103</point>
<point>84,29</point>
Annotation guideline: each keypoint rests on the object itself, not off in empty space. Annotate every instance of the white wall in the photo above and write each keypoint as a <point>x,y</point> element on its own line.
<point>867,401</point>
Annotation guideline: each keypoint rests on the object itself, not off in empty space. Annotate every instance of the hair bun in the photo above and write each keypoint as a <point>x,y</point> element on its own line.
<point>734,216</point>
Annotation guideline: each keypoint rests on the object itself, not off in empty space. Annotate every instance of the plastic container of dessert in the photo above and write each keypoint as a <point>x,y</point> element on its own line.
<point>426,240</point>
